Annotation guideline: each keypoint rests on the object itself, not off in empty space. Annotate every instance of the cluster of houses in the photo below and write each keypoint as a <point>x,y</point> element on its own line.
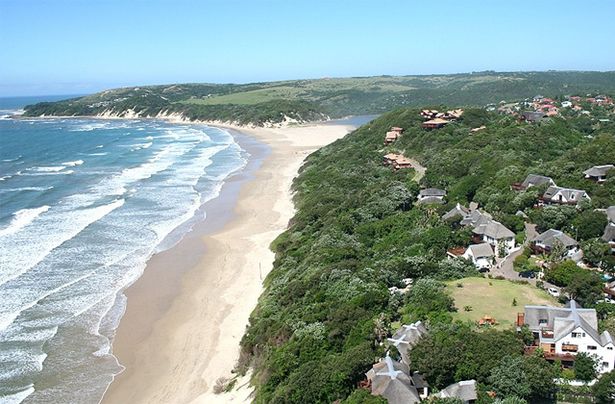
<point>539,107</point>
<point>435,119</point>
<point>490,238</point>
<point>563,332</point>
<point>393,380</point>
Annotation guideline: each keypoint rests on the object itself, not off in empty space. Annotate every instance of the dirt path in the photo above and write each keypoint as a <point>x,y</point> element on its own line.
<point>420,170</point>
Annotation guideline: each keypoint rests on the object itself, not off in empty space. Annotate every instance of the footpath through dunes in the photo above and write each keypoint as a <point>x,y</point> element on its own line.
<point>193,338</point>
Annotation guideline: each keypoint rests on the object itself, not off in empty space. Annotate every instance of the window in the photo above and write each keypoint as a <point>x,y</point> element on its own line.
<point>610,348</point>
<point>578,334</point>
<point>605,364</point>
<point>592,347</point>
<point>542,321</point>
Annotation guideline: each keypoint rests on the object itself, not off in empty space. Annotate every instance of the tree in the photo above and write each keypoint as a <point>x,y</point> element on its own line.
<point>585,367</point>
<point>604,389</point>
<point>557,253</point>
<point>585,287</point>
<point>562,274</point>
<point>589,224</point>
<point>541,374</point>
<point>595,251</point>
<point>428,300</point>
<point>509,378</point>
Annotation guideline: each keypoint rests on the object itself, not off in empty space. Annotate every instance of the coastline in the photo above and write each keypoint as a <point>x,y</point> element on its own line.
<point>182,328</point>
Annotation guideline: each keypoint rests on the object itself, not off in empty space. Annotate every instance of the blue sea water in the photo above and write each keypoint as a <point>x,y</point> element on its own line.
<point>83,204</point>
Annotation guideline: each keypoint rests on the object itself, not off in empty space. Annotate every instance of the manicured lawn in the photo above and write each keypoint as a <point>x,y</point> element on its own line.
<point>494,298</point>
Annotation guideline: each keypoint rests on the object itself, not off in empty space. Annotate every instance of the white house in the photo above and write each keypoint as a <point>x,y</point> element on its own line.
<point>566,104</point>
<point>564,196</point>
<point>544,242</point>
<point>495,234</point>
<point>481,255</point>
<point>563,332</point>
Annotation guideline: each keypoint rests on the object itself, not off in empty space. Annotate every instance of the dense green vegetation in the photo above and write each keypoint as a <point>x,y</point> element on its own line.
<point>356,233</point>
<point>307,100</point>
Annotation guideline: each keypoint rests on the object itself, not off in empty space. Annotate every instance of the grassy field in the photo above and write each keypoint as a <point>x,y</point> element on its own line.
<point>494,298</point>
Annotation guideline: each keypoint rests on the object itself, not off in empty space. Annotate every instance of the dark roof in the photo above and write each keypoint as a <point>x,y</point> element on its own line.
<point>458,210</point>
<point>536,180</point>
<point>494,230</point>
<point>568,193</point>
<point>598,171</point>
<point>481,250</point>
<point>551,236</point>
<point>609,233</point>
<point>533,116</point>
<point>432,192</point>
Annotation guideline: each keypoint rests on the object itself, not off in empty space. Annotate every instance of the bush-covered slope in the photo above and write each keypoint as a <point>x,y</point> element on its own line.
<point>306,100</point>
<point>357,233</point>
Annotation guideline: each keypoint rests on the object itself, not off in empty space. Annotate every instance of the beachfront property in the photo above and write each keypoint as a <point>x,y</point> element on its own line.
<point>396,161</point>
<point>406,337</point>
<point>393,381</point>
<point>464,390</point>
<point>564,332</point>
<point>392,135</point>
<point>598,173</point>
<point>545,242</point>
<point>564,196</point>
<point>431,195</point>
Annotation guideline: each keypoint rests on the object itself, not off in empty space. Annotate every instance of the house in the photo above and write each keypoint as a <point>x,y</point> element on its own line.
<point>406,337</point>
<point>475,218</point>
<point>393,135</point>
<point>598,173</point>
<point>533,180</point>
<point>566,104</point>
<point>389,379</point>
<point>609,236</point>
<point>564,196</point>
<point>464,390</point>
<point>459,211</point>
<point>544,242</point>
<point>435,123</point>
<point>481,256</point>
<point>533,116</point>
<point>397,161</point>
<point>431,195</point>
<point>563,332</point>
<point>495,234</point>
<point>610,214</point>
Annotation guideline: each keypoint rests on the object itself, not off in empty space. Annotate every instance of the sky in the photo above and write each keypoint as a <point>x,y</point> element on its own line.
<point>83,46</point>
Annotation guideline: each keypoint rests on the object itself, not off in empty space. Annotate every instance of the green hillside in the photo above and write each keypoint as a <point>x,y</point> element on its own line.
<point>308,100</point>
<point>326,307</point>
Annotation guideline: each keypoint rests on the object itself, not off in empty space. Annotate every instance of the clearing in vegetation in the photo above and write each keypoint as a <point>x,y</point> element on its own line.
<point>494,297</point>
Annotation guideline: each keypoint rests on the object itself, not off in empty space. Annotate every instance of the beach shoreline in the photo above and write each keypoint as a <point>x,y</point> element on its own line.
<point>181,329</point>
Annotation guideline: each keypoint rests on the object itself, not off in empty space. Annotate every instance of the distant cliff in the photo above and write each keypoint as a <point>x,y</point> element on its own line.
<point>310,100</point>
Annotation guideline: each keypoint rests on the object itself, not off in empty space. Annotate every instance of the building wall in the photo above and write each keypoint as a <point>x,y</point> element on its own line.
<point>604,353</point>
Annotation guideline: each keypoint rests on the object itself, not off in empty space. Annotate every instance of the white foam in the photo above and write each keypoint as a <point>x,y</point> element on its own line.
<point>49,169</point>
<point>73,163</point>
<point>22,218</point>
<point>6,177</point>
<point>12,160</point>
<point>98,154</point>
<point>26,189</point>
<point>28,246</point>
<point>17,398</point>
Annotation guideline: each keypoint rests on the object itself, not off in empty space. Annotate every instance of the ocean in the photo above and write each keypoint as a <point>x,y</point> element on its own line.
<point>83,204</point>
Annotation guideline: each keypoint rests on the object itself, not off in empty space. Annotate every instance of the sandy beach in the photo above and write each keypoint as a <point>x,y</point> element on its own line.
<point>188,312</point>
